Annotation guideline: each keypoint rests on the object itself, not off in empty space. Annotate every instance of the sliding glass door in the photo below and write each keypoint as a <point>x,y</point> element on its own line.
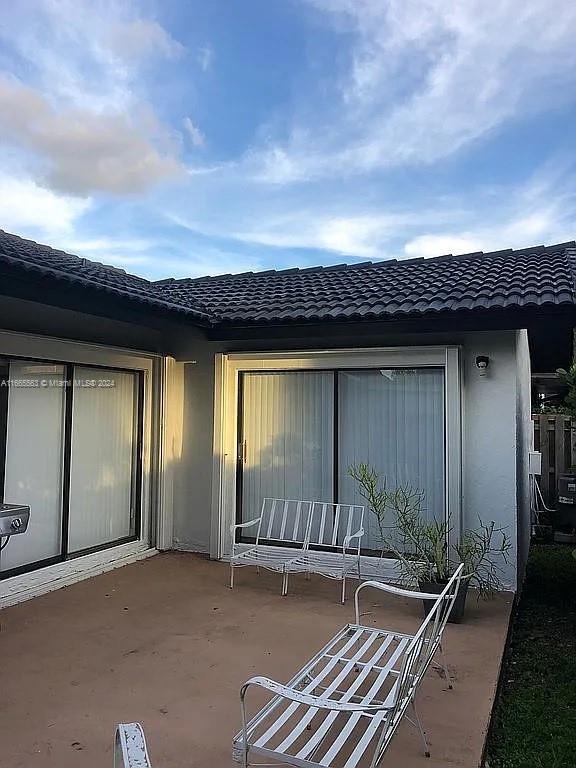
<point>286,437</point>
<point>300,431</point>
<point>70,448</point>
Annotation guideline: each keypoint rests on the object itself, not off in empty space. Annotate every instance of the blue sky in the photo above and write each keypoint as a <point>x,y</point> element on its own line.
<point>186,137</point>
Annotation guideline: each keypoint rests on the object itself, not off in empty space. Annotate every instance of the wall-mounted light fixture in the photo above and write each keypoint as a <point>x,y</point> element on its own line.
<point>482,363</point>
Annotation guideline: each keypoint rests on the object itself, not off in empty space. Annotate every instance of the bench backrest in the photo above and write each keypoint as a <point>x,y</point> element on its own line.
<point>330,524</point>
<point>284,521</point>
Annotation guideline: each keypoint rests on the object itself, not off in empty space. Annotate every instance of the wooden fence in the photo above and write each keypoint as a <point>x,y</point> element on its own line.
<point>555,438</point>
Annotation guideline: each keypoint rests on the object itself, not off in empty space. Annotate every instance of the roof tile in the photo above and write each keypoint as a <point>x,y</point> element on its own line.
<point>542,275</point>
<point>530,277</point>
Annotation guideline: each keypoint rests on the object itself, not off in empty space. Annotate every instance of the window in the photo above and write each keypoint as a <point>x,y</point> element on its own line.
<point>70,448</point>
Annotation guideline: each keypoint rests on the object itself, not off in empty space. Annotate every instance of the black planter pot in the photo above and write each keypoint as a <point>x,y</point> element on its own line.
<point>435,587</point>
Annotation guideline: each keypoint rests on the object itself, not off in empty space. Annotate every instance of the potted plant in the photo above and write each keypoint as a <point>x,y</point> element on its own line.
<point>422,548</point>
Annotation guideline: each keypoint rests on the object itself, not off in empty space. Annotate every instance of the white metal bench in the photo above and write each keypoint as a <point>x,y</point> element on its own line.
<point>130,749</point>
<point>349,699</point>
<point>296,536</point>
<point>332,548</point>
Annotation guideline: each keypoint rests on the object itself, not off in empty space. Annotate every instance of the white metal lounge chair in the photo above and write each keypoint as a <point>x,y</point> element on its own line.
<point>349,699</point>
<point>130,749</point>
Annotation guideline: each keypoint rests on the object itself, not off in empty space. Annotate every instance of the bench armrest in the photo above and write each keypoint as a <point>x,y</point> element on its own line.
<point>318,702</point>
<point>235,526</point>
<point>357,535</point>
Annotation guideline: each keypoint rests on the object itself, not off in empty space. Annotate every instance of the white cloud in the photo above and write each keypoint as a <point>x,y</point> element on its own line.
<point>542,211</point>
<point>437,245</point>
<point>140,38</point>
<point>33,211</point>
<point>205,57</point>
<point>157,259</point>
<point>359,236</point>
<point>196,136</point>
<point>80,120</point>
<point>426,79</point>
<point>83,152</point>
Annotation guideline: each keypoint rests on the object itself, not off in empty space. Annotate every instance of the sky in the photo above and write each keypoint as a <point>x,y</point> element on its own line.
<point>181,138</point>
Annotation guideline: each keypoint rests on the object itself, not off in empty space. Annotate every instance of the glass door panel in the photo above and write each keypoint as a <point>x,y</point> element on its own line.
<point>33,468</point>
<point>286,438</point>
<point>104,450</point>
<point>393,419</point>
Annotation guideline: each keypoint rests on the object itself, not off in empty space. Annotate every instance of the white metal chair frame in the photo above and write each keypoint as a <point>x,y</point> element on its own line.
<point>345,711</point>
<point>130,749</point>
<point>316,551</point>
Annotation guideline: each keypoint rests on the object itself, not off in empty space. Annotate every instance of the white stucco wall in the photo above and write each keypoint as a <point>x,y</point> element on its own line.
<point>495,410</point>
<point>489,437</point>
<point>525,443</point>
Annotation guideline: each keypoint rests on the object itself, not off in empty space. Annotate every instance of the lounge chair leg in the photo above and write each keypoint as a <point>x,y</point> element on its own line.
<point>343,589</point>
<point>359,571</point>
<point>231,577</point>
<point>444,666</point>
<point>285,584</point>
<point>308,576</point>
<point>421,730</point>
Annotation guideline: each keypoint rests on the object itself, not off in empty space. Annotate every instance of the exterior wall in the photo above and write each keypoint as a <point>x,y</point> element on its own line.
<point>525,443</point>
<point>490,411</point>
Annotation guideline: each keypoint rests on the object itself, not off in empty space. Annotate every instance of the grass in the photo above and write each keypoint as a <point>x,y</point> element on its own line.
<point>535,718</point>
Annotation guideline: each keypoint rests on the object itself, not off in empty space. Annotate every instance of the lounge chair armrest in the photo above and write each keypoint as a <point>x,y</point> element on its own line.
<point>401,592</point>
<point>307,698</point>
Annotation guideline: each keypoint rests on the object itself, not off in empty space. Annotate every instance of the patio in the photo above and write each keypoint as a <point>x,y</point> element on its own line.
<point>165,642</point>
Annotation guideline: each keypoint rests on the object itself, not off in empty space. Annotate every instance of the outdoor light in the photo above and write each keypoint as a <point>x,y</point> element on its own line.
<point>482,363</point>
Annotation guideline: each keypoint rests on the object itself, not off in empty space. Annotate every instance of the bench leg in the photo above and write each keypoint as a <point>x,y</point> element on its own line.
<point>420,729</point>
<point>284,583</point>
<point>343,600</point>
<point>444,666</point>
<point>231,576</point>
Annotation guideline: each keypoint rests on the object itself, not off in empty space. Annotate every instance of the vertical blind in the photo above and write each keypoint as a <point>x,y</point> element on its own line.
<point>288,430</point>
<point>392,419</point>
<point>33,470</point>
<point>102,459</point>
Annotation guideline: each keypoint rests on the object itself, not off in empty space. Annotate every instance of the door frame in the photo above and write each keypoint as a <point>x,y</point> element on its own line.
<point>227,370</point>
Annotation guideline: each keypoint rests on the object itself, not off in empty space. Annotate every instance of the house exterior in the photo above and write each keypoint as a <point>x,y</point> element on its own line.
<point>139,416</point>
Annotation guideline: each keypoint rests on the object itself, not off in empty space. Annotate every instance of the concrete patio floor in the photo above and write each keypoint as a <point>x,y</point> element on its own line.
<point>166,643</point>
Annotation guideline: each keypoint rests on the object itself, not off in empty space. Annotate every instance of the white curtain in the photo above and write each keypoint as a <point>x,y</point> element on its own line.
<point>102,458</point>
<point>34,459</point>
<point>287,422</point>
<point>393,419</point>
